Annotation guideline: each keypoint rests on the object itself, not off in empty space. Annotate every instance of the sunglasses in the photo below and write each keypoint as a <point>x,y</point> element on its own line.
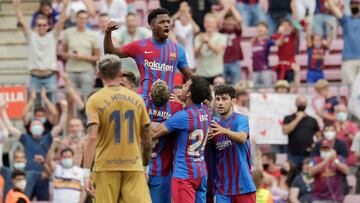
<point>41,25</point>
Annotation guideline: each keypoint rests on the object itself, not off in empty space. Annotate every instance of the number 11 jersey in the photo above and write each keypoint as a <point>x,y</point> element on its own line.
<point>191,127</point>
<point>120,115</point>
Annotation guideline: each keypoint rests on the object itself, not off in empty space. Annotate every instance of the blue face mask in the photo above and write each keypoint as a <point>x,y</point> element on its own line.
<point>341,116</point>
<point>37,131</point>
<point>67,163</point>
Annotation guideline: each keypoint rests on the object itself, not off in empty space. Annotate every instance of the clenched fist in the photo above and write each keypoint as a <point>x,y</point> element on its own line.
<point>111,26</point>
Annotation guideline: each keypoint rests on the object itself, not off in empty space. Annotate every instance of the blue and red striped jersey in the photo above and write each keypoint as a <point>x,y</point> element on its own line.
<point>162,154</point>
<point>156,61</point>
<point>232,162</point>
<point>191,126</point>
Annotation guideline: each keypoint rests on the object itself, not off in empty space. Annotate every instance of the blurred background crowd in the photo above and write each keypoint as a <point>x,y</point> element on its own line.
<point>304,53</point>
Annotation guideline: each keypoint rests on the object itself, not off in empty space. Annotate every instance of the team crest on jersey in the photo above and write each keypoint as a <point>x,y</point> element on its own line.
<point>172,56</point>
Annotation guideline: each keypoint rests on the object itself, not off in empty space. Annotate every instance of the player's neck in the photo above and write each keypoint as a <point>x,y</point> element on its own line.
<point>159,40</point>
<point>111,83</point>
<point>188,103</point>
<point>227,115</point>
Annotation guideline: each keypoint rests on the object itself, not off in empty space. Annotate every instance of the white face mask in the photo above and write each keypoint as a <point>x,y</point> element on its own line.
<point>330,135</point>
<point>19,166</point>
<point>325,154</point>
<point>21,185</point>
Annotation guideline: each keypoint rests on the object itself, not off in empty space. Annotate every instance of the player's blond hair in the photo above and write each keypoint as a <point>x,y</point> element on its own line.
<point>110,66</point>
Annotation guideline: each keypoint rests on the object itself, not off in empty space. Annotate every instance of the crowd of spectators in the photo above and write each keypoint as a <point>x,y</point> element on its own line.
<point>65,41</point>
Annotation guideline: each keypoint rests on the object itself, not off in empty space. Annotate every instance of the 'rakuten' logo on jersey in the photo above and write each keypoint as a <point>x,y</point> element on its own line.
<point>158,66</point>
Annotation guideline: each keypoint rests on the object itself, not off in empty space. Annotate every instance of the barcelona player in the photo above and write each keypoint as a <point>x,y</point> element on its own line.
<point>230,135</point>
<point>156,57</point>
<point>189,178</point>
<point>118,135</point>
<point>160,108</point>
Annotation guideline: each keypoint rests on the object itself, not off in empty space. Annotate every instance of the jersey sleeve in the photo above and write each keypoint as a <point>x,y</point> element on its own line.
<point>177,122</point>
<point>92,112</point>
<point>182,61</point>
<point>131,49</point>
<point>242,124</point>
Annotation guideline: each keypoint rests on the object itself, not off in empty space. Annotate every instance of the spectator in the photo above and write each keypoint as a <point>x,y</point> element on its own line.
<point>81,50</point>
<point>79,5</point>
<point>242,101</point>
<point>301,130</point>
<point>328,169</point>
<point>42,48</point>
<point>262,194</point>
<point>328,113</point>
<point>231,27</point>
<point>19,160</point>
<point>287,43</point>
<point>131,33</point>
<point>116,9</point>
<point>355,148</point>
<point>209,50</point>
<point>36,144</point>
<point>317,47</point>
<point>17,194</point>
<point>324,17</point>
<point>47,116</point>
<point>104,19</point>
<point>251,12</point>
<point>278,11</point>
<point>68,178</point>
<point>46,10</point>
<point>351,30</point>
<point>262,73</point>
<point>281,190</point>
<point>269,165</point>
<point>338,145</point>
<point>301,187</point>
<point>128,80</point>
<point>200,8</point>
<point>185,29</point>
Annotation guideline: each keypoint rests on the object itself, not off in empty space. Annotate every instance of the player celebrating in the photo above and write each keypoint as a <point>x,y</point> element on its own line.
<point>156,57</point>
<point>233,180</point>
<point>191,127</point>
<point>118,125</point>
<point>160,109</point>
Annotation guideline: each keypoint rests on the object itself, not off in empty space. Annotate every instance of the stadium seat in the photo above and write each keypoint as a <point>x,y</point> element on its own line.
<point>352,183</point>
<point>337,46</point>
<point>352,199</point>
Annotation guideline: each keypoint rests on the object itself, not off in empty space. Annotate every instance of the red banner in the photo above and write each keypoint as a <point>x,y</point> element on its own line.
<point>15,97</point>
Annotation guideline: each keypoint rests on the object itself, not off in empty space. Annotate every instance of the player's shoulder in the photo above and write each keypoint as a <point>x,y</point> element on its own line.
<point>241,117</point>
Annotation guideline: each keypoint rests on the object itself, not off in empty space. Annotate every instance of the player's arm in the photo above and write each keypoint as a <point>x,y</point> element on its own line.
<point>108,42</point>
<point>186,72</point>
<point>239,137</point>
<point>146,144</point>
<point>20,17</point>
<point>160,131</point>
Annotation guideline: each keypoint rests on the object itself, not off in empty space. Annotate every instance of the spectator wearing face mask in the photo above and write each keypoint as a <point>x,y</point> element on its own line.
<point>328,112</point>
<point>17,194</point>
<point>301,186</point>
<point>301,129</point>
<point>269,165</point>
<point>328,169</point>
<point>281,189</point>
<point>351,32</point>
<point>329,134</point>
<point>68,178</point>
<point>36,145</point>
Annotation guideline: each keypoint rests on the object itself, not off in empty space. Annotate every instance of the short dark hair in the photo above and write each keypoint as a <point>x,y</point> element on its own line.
<point>225,89</point>
<point>80,12</point>
<point>110,66</point>
<point>17,173</point>
<point>67,149</point>
<point>45,3</point>
<point>200,89</point>
<point>154,13</point>
<point>39,109</point>
<point>263,23</point>
<point>271,156</point>
<point>130,76</point>
<point>285,20</point>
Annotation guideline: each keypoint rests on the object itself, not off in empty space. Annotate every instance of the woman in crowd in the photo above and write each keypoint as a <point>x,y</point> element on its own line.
<point>300,190</point>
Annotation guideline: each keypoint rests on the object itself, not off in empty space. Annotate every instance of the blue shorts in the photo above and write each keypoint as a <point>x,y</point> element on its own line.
<point>314,76</point>
<point>160,188</point>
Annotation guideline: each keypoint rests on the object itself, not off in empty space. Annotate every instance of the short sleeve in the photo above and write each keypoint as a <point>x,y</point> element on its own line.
<point>270,43</point>
<point>197,41</point>
<point>288,119</point>
<point>130,49</point>
<point>23,139</point>
<point>182,61</point>
<point>92,113</point>
<point>296,182</point>
<point>355,147</point>
<point>344,19</point>
<point>95,41</point>
<point>177,122</point>
<point>242,124</point>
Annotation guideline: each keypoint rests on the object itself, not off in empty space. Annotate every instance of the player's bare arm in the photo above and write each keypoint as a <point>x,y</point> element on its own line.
<point>160,131</point>
<point>239,137</point>
<point>89,154</point>
<point>108,43</point>
<point>186,72</point>
<point>146,144</point>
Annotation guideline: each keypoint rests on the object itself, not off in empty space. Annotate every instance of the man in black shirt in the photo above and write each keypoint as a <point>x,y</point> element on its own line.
<point>278,11</point>
<point>301,129</point>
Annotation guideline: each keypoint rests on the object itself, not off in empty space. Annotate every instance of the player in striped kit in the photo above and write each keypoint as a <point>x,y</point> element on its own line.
<point>156,57</point>
<point>230,135</point>
<point>160,108</point>
<point>191,126</point>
